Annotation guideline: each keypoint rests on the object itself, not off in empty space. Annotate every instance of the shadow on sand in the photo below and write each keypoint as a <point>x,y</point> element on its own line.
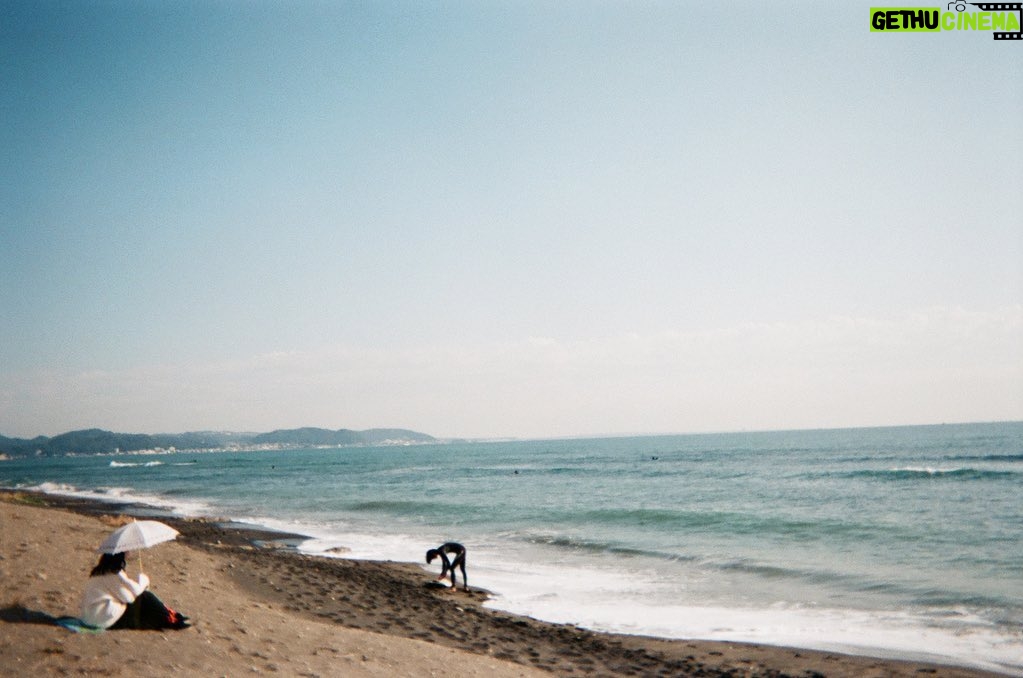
<point>19,614</point>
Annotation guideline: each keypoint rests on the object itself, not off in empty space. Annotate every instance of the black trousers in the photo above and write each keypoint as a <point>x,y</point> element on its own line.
<point>146,612</point>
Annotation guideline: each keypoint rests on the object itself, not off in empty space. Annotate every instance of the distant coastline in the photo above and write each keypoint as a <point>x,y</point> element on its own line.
<point>96,441</point>
<point>100,442</point>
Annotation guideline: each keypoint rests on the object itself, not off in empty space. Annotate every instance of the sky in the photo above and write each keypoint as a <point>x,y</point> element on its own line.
<point>504,219</point>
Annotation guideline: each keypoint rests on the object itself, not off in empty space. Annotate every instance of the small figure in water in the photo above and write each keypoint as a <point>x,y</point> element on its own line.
<point>458,551</point>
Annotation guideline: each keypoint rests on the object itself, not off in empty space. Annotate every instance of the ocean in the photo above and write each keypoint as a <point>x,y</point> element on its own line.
<point>904,541</point>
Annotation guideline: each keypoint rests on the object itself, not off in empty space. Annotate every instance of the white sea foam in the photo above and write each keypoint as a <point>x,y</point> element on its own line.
<point>337,539</point>
<point>124,495</point>
<point>399,548</point>
<point>615,602</point>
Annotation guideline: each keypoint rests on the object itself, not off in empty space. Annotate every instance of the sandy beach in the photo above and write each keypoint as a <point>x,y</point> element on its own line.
<point>260,607</point>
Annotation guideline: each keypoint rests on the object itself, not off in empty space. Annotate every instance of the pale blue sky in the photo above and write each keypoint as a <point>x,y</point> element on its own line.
<point>504,218</point>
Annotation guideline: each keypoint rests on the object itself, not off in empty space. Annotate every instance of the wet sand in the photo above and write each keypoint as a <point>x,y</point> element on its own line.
<point>260,607</point>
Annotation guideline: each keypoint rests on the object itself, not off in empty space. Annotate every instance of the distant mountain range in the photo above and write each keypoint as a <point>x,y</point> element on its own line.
<point>97,441</point>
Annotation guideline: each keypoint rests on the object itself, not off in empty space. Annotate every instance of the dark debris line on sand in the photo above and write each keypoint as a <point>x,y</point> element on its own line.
<point>393,599</point>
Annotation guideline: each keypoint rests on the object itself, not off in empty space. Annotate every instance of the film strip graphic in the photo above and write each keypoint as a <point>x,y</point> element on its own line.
<point>1002,7</point>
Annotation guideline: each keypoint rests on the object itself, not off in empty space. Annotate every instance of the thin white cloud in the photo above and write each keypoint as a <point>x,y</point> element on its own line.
<point>940,364</point>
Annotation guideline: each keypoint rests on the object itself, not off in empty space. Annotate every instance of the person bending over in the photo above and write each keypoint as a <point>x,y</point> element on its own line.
<point>458,551</point>
<point>113,600</point>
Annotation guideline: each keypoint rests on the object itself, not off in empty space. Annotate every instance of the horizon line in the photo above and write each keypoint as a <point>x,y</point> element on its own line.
<point>579,436</point>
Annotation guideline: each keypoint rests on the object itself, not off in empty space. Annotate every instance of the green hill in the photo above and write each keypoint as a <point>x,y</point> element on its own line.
<point>98,441</point>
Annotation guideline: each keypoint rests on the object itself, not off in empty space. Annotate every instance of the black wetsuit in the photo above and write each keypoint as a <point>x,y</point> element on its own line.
<point>458,551</point>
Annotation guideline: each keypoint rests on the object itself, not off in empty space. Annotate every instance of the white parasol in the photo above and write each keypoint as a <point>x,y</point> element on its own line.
<point>137,535</point>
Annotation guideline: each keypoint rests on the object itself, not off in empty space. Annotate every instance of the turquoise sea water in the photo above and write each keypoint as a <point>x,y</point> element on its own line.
<point>903,541</point>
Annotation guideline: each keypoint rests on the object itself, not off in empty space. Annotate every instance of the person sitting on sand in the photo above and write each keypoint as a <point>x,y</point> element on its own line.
<point>113,600</point>
<point>459,552</point>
